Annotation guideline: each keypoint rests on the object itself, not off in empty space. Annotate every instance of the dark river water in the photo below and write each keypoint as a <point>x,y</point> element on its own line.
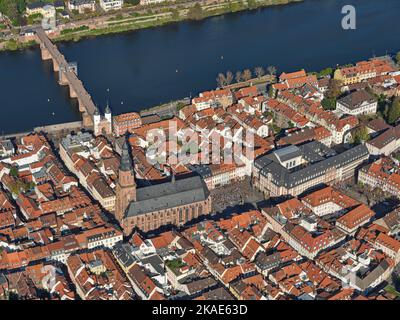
<point>143,68</point>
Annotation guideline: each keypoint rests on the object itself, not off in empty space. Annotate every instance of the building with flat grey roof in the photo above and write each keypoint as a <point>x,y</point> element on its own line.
<point>293,171</point>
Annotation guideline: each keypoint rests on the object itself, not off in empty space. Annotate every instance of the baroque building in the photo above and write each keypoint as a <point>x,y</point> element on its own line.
<point>293,170</point>
<point>174,202</point>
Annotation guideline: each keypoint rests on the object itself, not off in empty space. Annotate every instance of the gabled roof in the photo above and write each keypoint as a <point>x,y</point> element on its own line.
<point>168,195</point>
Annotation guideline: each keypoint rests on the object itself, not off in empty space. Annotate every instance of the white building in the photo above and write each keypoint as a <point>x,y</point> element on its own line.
<point>82,5</point>
<point>147,2</point>
<point>108,5</point>
<point>357,103</point>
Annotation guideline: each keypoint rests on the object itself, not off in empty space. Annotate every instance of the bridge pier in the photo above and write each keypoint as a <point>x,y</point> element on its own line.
<point>87,120</point>
<point>62,79</point>
<point>45,53</point>
<point>81,107</point>
<point>56,67</point>
<point>72,92</point>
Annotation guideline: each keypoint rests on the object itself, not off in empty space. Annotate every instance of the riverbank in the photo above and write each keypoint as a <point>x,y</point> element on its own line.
<point>134,71</point>
<point>149,19</point>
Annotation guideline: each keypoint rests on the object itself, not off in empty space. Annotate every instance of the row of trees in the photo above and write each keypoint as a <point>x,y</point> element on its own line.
<point>245,75</point>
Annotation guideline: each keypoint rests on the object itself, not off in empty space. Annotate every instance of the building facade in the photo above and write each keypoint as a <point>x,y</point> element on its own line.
<point>102,125</point>
<point>292,170</point>
<point>357,103</point>
<point>126,122</point>
<point>108,5</point>
<point>82,5</point>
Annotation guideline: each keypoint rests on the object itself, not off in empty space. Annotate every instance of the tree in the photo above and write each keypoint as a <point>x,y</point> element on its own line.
<point>396,281</point>
<point>329,103</point>
<point>394,111</point>
<point>271,70</point>
<point>221,80</point>
<point>246,75</point>
<point>9,8</point>
<point>325,72</point>
<point>14,172</point>
<point>360,134</point>
<point>174,14</point>
<point>259,72</point>
<point>11,45</point>
<point>229,77</point>
<point>334,89</point>
<point>238,76</point>
<point>271,92</point>
<point>252,4</point>
<point>132,2</point>
<point>196,12</point>
<point>276,128</point>
<point>398,57</point>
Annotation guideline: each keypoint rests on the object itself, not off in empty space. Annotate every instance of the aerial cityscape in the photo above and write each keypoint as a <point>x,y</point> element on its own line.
<point>172,151</point>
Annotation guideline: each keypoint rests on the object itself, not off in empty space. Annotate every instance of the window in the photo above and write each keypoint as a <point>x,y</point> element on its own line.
<point>180,215</point>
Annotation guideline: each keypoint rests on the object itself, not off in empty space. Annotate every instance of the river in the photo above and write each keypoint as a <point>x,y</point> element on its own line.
<point>143,68</point>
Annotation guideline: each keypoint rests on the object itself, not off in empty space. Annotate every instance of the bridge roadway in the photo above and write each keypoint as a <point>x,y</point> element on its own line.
<point>67,76</point>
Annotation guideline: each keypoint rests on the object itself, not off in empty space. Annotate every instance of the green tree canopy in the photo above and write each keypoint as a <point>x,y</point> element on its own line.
<point>14,172</point>
<point>329,103</point>
<point>271,92</point>
<point>334,89</point>
<point>398,57</point>
<point>325,72</point>
<point>360,134</point>
<point>394,111</point>
<point>196,12</point>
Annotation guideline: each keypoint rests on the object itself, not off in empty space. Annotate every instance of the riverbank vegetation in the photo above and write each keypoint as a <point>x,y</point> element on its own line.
<point>78,29</point>
<point>153,16</point>
<point>14,45</point>
<point>165,15</point>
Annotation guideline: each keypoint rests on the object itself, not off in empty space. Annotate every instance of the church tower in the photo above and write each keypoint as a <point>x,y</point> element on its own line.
<point>108,114</point>
<point>126,186</point>
<point>96,121</point>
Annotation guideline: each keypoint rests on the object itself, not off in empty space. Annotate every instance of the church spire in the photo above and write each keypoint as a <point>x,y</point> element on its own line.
<point>126,162</point>
<point>96,111</point>
<point>108,109</point>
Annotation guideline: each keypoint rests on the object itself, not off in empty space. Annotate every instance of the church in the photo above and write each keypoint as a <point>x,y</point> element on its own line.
<point>148,208</point>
